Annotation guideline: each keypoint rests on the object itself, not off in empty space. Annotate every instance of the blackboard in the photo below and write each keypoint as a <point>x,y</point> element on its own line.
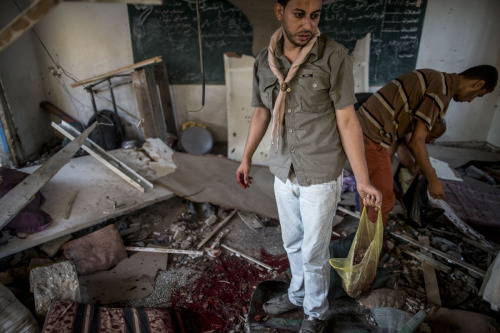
<point>395,27</point>
<point>171,31</point>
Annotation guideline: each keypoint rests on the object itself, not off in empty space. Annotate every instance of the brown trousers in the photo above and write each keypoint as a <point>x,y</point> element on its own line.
<point>379,164</point>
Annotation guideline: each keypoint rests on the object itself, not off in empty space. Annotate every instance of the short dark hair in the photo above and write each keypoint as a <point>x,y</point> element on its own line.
<point>283,2</point>
<point>482,72</point>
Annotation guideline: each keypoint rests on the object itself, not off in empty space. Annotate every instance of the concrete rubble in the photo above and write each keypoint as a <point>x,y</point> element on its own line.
<point>241,249</point>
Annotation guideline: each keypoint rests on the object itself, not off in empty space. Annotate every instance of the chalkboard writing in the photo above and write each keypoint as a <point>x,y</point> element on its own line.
<point>171,31</point>
<point>395,27</point>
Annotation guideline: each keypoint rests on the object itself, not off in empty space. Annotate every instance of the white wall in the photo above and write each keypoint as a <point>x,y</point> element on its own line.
<point>20,76</point>
<point>459,34</point>
<point>88,39</point>
<point>92,39</point>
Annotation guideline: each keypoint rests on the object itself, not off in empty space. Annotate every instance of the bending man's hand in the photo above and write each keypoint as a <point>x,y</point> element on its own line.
<point>370,194</point>
<point>242,174</point>
<point>436,189</point>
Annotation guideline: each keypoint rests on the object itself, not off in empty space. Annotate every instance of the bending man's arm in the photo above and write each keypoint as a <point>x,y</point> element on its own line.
<point>352,138</point>
<point>258,127</point>
<point>419,151</point>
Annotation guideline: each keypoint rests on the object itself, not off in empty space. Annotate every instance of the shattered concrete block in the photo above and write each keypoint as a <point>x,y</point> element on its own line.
<point>98,251</point>
<point>59,281</point>
<point>52,247</point>
<point>161,154</point>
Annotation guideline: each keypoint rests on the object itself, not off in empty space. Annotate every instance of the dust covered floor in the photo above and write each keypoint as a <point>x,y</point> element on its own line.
<point>214,293</point>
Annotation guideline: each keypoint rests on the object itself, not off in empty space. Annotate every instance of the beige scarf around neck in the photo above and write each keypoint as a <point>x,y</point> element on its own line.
<point>279,105</point>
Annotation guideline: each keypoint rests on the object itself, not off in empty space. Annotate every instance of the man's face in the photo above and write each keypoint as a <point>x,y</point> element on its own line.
<point>471,91</point>
<point>299,19</point>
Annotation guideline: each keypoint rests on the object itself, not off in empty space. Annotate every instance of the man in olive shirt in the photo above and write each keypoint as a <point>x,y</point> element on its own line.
<point>304,83</point>
<point>409,106</point>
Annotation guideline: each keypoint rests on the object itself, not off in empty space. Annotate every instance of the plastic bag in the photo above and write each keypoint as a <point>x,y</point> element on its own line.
<point>359,269</point>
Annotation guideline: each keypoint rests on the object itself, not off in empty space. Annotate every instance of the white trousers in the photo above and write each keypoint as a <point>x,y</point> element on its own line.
<point>306,214</point>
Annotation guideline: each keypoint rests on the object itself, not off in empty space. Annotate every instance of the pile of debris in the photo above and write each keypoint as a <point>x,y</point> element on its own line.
<point>205,263</point>
<point>205,269</point>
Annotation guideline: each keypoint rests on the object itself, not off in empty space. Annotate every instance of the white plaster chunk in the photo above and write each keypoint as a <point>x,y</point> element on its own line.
<point>162,163</point>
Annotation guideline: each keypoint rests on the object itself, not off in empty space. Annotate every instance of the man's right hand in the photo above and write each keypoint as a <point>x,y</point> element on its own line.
<point>242,174</point>
<point>436,189</point>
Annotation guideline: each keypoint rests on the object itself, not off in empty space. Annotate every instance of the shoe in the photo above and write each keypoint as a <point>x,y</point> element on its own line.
<point>279,305</point>
<point>312,325</point>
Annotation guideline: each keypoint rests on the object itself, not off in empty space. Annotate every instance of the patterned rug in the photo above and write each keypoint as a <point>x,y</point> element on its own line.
<point>68,316</point>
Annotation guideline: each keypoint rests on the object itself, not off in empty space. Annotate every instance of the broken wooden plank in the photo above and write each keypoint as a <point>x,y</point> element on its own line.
<point>148,101</point>
<point>97,186</point>
<point>426,259</point>
<point>220,225</point>
<point>24,21</point>
<point>21,195</point>
<point>102,156</point>
<point>161,78</point>
<point>430,279</point>
<point>70,205</point>
<point>446,256</point>
<point>117,71</point>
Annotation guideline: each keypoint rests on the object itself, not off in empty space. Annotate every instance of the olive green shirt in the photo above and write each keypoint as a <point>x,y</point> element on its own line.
<point>310,139</point>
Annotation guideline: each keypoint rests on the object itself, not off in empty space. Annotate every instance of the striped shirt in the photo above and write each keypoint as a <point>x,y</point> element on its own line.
<point>392,112</point>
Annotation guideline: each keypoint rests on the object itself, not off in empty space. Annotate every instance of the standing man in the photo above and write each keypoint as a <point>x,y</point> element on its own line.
<point>410,106</point>
<point>304,83</point>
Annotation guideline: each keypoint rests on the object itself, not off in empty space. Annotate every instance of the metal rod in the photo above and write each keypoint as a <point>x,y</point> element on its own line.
<point>162,250</point>
<point>96,113</point>
<point>201,57</point>
<point>247,257</point>
<point>441,254</point>
<point>347,211</point>
<point>118,121</point>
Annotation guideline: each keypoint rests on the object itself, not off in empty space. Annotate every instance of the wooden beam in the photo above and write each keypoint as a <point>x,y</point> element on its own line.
<point>161,78</point>
<point>430,279</point>
<point>425,258</point>
<point>148,101</point>
<point>114,164</point>
<point>25,21</point>
<point>117,71</point>
<point>21,195</point>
